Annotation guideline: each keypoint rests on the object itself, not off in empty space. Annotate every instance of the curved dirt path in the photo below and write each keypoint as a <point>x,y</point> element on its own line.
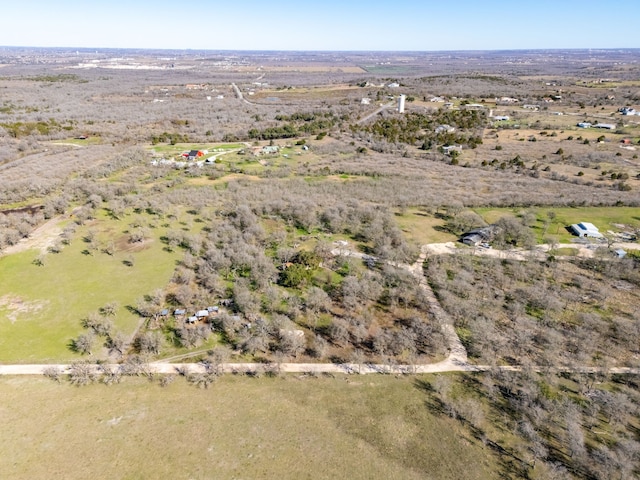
<point>539,251</point>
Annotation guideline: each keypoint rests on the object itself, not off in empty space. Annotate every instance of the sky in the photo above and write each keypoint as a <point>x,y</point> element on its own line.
<point>346,25</point>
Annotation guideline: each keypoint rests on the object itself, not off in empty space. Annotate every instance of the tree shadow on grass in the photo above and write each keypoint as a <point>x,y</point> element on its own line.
<point>512,467</point>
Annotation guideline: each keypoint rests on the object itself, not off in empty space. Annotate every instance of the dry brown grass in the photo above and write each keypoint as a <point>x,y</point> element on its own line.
<point>347,427</point>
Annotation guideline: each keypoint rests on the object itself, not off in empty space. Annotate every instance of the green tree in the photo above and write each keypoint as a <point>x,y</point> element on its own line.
<point>295,275</point>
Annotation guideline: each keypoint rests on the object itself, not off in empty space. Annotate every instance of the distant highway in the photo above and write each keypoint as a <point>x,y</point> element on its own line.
<point>239,94</point>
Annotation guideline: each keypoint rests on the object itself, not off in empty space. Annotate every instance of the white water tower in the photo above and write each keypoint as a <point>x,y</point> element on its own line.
<point>401,100</point>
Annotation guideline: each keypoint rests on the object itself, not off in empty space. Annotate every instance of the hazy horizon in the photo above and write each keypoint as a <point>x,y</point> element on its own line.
<point>285,25</point>
<point>91,49</point>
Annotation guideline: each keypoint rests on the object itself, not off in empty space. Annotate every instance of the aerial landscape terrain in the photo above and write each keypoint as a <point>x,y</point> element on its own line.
<point>319,264</point>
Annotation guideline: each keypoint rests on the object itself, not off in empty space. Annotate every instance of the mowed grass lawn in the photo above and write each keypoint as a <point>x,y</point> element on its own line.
<point>421,228</point>
<point>374,427</point>
<point>41,307</point>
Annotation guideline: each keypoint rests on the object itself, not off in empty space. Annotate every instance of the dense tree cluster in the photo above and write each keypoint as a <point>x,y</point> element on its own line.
<point>561,426</point>
<point>297,124</point>
<point>553,313</point>
<point>415,128</point>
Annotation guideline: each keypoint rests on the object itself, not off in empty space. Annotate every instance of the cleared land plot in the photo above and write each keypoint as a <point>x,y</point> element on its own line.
<point>378,427</point>
<point>178,148</point>
<point>605,218</point>
<point>43,306</point>
<point>420,228</point>
<point>324,93</point>
<point>80,141</point>
<point>304,69</point>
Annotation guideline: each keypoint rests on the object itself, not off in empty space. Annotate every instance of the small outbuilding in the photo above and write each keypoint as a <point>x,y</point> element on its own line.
<point>620,253</point>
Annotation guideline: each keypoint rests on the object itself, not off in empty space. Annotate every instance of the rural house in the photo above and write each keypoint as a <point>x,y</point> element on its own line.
<point>193,154</point>
<point>479,235</point>
<point>445,129</point>
<point>448,149</point>
<point>266,150</point>
<point>607,126</point>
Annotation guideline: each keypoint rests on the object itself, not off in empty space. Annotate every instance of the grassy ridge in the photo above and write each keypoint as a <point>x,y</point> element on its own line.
<point>367,428</point>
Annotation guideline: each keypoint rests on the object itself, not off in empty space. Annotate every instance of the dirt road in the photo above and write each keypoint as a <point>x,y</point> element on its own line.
<point>314,368</point>
<point>41,238</point>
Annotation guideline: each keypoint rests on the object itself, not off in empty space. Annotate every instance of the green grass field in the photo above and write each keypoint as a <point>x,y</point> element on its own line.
<point>376,427</point>
<point>41,307</point>
<point>605,218</point>
<point>420,228</point>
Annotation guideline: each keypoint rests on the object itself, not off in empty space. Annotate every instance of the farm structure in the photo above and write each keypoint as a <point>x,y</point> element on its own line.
<point>585,229</point>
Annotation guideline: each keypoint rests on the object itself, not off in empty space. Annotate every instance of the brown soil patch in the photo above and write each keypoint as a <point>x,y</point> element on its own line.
<point>17,306</point>
<point>123,244</point>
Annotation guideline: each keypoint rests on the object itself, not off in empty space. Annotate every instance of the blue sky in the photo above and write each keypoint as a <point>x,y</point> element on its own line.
<point>422,25</point>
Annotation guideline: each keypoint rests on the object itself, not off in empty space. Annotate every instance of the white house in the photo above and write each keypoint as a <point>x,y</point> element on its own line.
<point>445,129</point>
<point>448,149</point>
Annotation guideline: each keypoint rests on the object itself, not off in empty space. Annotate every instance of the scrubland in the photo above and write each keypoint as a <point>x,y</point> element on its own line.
<point>304,252</point>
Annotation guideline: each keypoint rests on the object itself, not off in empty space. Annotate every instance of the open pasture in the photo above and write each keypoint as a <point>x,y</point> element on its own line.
<point>289,428</point>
